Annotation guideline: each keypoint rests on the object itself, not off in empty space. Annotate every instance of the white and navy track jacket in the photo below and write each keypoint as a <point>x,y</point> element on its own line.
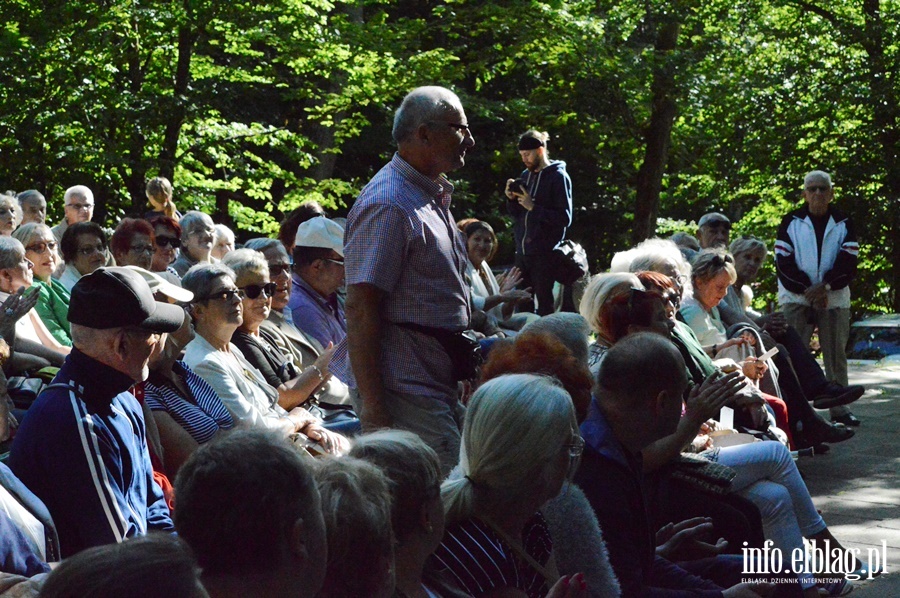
<point>800,264</point>
<point>82,450</point>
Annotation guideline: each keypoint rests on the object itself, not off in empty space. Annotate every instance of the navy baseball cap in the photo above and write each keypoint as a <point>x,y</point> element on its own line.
<point>119,298</point>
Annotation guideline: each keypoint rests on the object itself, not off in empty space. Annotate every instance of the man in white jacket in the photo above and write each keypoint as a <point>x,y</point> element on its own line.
<point>816,256</point>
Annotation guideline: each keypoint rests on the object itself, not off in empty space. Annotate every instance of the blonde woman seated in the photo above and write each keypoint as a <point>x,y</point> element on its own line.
<point>217,312</point>
<point>496,541</point>
<point>712,275</point>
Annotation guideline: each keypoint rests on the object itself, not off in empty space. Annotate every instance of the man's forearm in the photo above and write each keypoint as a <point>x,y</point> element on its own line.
<point>364,343</point>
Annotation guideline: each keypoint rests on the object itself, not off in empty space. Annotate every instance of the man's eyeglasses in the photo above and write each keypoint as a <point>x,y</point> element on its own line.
<point>42,247</point>
<point>279,269</point>
<point>252,291</point>
<point>164,241</point>
<point>820,188</point>
<point>226,295</point>
<point>455,126</point>
<point>81,206</point>
<point>92,249</point>
<point>338,262</point>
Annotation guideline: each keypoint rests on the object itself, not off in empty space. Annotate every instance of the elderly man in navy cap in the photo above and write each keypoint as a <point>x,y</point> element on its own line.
<point>318,273</point>
<point>83,449</point>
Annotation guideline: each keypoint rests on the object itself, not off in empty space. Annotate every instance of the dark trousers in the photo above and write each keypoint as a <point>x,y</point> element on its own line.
<point>537,273</point>
<point>807,369</point>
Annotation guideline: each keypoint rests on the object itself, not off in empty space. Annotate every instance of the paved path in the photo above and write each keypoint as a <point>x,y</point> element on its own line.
<point>857,485</point>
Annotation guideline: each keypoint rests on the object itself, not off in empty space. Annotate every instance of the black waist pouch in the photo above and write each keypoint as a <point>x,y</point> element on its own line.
<point>462,347</point>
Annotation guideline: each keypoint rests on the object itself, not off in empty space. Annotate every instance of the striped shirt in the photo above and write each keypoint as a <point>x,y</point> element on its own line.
<point>481,561</point>
<point>402,238</point>
<point>202,417</point>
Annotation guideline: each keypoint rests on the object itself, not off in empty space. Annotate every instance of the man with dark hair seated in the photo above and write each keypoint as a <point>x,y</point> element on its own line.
<point>637,401</point>
<point>249,508</point>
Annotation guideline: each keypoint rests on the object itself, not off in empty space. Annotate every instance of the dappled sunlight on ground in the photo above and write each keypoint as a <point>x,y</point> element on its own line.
<point>857,485</point>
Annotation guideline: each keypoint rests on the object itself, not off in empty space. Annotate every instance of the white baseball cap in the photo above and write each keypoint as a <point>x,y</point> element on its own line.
<point>158,284</point>
<point>321,232</point>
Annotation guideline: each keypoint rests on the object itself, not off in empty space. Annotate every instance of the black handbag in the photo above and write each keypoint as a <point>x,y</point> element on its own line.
<point>570,263</point>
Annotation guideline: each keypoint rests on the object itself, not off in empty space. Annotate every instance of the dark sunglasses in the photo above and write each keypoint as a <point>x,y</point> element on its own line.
<point>275,271</point>
<point>252,291</point>
<point>164,241</point>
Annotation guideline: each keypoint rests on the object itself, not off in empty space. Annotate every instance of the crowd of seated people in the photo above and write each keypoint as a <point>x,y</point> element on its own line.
<point>594,459</point>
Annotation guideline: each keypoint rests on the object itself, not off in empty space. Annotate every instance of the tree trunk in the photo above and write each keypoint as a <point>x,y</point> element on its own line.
<point>658,134</point>
<point>886,118</point>
<point>135,164</point>
<point>175,115</point>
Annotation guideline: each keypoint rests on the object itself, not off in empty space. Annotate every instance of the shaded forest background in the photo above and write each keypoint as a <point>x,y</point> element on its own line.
<point>663,110</point>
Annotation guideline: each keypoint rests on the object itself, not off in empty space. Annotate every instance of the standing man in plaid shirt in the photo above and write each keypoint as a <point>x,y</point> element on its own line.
<point>405,263</point>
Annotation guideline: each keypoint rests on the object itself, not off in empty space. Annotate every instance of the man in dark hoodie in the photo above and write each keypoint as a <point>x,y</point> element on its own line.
<point>541,204</point>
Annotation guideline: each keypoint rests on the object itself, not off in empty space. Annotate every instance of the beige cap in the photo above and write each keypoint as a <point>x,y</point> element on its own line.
<point>321,232</point>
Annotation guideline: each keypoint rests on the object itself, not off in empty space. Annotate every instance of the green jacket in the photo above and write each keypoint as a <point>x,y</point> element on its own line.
<point>53,308</point>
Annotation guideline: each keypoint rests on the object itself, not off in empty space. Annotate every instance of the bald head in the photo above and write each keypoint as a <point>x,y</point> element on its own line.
<point>639,388</point>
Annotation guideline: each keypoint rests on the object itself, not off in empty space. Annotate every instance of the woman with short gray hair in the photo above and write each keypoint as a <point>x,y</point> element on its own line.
<point>217,311</point>
<point>252,277</point>
<point>198,235</point>
<point>417,514</point>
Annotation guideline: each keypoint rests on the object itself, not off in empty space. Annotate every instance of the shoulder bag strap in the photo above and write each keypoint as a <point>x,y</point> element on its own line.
<point>548,571</point>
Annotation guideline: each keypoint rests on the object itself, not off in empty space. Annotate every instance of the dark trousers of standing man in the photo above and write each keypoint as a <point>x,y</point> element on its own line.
<point>538,273</point>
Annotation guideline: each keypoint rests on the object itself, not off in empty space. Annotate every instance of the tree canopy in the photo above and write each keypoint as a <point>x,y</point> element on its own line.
<point>663,110</point>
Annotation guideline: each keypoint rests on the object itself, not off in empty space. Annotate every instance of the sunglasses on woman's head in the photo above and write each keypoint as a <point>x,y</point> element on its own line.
<point>164,241</point>
<point>252,291</point>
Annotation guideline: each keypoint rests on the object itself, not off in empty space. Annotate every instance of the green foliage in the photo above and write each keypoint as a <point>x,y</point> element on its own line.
<point>253,108</point>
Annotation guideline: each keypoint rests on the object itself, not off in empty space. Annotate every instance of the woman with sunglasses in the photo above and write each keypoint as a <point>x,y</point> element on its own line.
<point>217,311</point>
<point>167,234</point>
<point>252,271</point>
<point>53,298</point>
